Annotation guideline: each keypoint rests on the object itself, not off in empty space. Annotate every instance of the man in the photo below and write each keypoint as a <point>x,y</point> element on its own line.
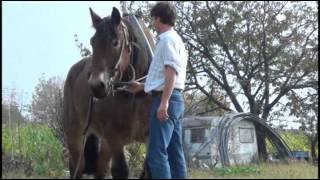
<point>165,81</point>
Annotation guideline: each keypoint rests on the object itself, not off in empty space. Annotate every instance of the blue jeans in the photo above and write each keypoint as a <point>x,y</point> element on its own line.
<point>165,156</point>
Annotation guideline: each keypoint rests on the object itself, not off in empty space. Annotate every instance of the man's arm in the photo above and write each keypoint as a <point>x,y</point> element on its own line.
<point>170,74</point>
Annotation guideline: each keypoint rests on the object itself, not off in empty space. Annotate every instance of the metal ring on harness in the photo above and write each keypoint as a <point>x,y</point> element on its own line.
<point>123,83</point>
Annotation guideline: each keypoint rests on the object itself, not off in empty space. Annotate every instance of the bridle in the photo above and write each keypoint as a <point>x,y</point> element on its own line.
<point>126,45</point>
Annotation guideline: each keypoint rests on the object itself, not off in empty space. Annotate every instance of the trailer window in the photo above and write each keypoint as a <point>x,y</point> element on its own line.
<point>246,135</point>
<point>198,135</point>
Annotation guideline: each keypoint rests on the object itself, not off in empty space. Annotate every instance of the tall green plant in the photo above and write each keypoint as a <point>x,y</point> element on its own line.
<point>38,144</point>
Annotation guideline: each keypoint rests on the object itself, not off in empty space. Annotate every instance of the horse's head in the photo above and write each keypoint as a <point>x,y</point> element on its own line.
<point>111,52</point>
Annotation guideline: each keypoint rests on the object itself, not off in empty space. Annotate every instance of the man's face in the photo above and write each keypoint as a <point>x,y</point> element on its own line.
<point>156,23</point>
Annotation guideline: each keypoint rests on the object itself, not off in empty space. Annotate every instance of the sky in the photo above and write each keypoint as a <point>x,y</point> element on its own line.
<point>38,37</point>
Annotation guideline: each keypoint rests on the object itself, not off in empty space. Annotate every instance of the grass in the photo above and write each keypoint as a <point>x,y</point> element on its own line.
<point>294,170</point>
<point>38,154</point>
<point>19,174</point>
<point>256,171</point>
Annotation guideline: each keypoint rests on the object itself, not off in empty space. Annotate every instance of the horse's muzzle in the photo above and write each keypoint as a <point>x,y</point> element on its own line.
<point>97,87</point>
<point>99,91</point>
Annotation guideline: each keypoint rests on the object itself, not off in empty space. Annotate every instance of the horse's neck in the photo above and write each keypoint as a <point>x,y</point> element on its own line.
<point>140,65</point>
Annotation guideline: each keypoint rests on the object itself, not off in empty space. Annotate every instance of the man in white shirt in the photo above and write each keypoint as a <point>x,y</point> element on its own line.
<point>165,81</point>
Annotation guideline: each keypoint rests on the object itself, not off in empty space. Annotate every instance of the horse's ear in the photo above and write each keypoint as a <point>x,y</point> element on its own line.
<point>95,19</point>
<point>115,16</point>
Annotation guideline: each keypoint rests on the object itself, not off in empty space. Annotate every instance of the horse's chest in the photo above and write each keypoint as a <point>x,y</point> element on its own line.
<point>123,119</point>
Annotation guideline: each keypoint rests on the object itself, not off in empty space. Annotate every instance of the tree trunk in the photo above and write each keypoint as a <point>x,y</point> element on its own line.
<point>262,148</point>
<point>313,149</point>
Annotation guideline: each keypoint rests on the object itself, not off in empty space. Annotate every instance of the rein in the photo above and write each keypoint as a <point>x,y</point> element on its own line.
<point>113,83</point>
<point>91,105</point>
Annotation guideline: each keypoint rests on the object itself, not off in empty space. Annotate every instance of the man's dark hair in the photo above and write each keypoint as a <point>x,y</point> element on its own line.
<point>165,11</point>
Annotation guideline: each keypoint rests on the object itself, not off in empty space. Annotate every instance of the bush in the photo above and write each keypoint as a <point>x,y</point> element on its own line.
<point>296,140</point>
<point>37,144</point>
<point>135,154</point>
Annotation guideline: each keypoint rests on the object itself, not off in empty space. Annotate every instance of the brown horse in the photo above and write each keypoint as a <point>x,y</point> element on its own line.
<point>117,118</point>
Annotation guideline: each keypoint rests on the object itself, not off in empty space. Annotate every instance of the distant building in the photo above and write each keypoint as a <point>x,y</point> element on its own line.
<point>225,140</point>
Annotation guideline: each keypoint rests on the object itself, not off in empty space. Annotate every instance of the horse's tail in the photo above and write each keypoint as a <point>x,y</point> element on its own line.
<point>91,154</point>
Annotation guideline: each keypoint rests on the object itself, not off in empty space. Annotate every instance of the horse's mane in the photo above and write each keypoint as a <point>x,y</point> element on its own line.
<point>142,64</point>
<point>133,37</point>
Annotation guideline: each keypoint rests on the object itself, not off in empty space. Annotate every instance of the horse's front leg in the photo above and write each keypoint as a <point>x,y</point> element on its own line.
<point>103,161</point>
<point>119,168</point>
<point>75,145</point>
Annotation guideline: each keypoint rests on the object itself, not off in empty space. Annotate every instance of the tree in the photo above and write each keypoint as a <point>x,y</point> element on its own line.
<point>246,50</point>
<point>306,109</point>
<point>11,110</point>
<point>196,103</point>
<point>253,53</point>
<point>199,105</point>
<point>84,51</point>
<point>46,106</point>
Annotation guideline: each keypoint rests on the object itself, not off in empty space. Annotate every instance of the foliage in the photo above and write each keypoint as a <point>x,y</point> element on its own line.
<point>37,144</point>
<point>237,170</point>
<point>47,99</point>
<point>47,104</point>
<point>306,110</point>
<point>296,140</point>
<point>135,154</point>
<point>40,146</point>
<point>84,51</point>
<point>199,104</point>
<point>11,109</point>
<point>141,9</point>
<point>14,115</point>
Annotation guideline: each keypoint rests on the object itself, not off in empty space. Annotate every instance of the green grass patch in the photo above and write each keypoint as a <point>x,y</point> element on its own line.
<point>294,170</point>
<point>237,170</point>
<point>39,154</point>
<point>36,143</point>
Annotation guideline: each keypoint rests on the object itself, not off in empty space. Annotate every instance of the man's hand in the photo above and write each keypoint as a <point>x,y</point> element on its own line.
<point>162,113</point>
<point>134,87</point>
